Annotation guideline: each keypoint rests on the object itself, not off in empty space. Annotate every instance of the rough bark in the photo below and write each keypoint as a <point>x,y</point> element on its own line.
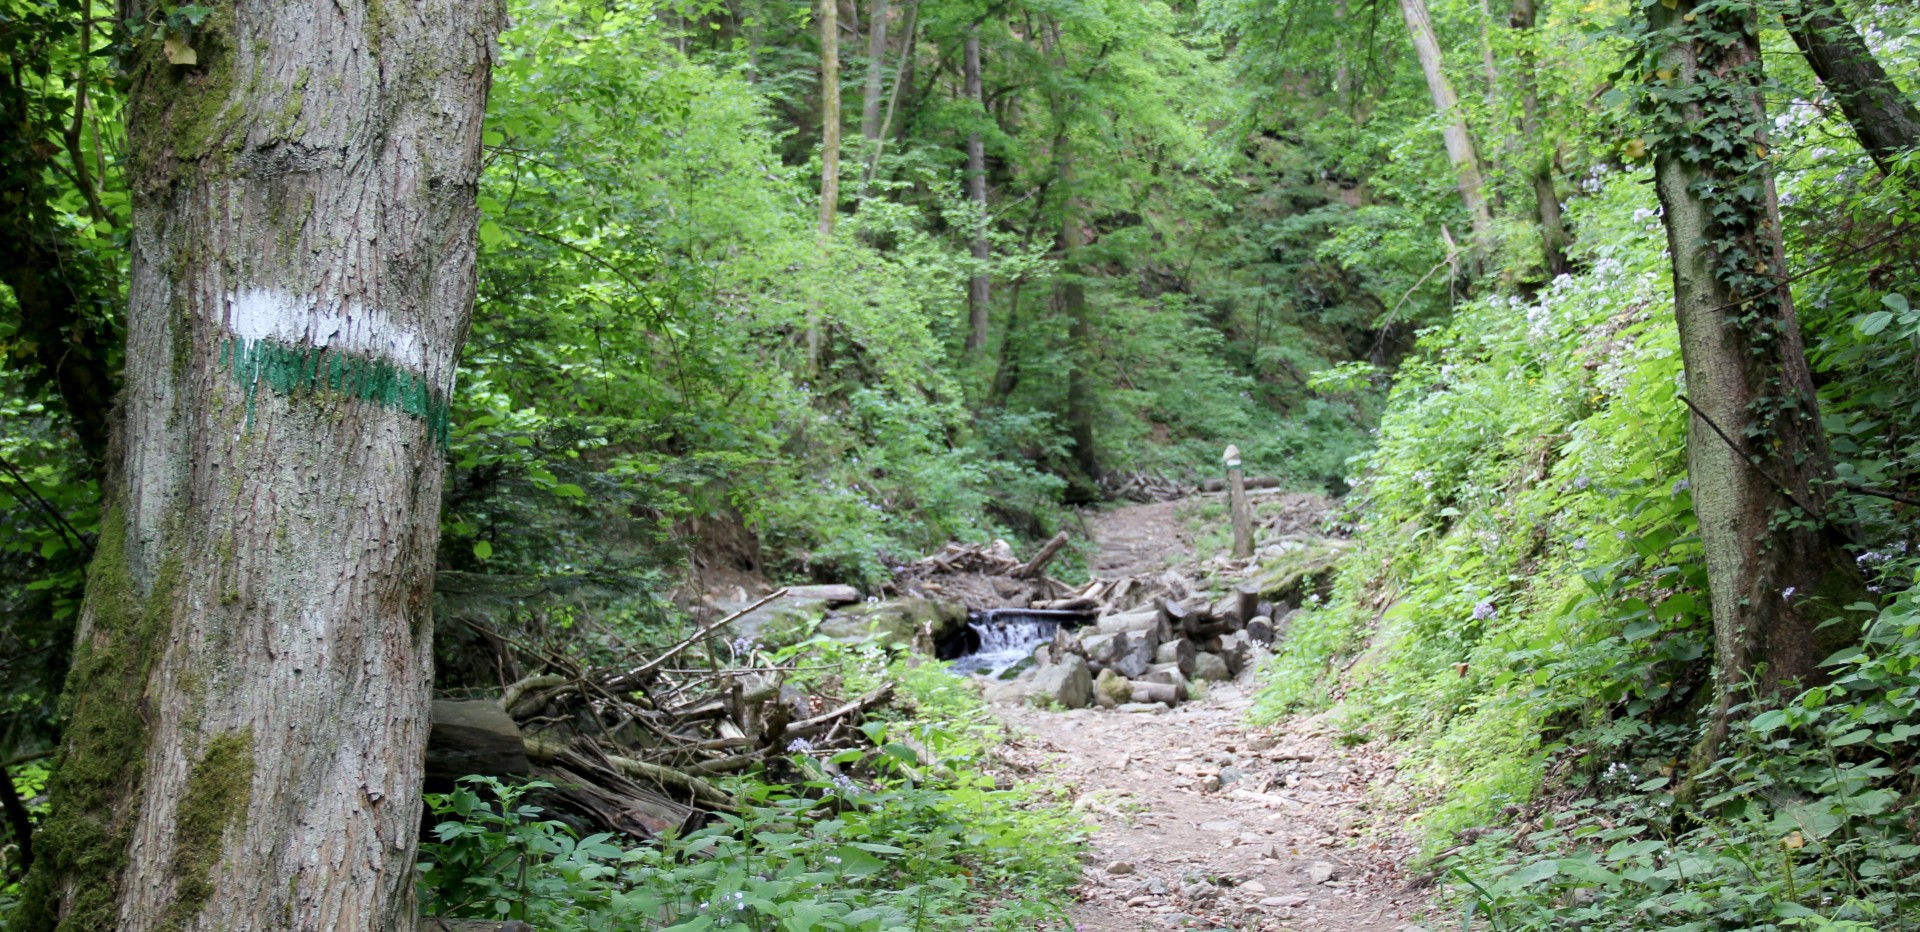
<point>979,285</point>
<point>1757,455</point>
<point>1539,148</point>
<point>1884,119</point>
<point>1459,138</point>
<point>248,702</point>
<point>876,70</point>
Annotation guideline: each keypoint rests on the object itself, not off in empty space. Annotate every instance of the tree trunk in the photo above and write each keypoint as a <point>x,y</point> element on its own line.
<point>1775,562</point>
<point>1883,118</point>
<point>1073,301</point>
<point>829,115</point>
<point>248,698</point>
<point>979,285</point>
<point>876,62</point>
<point>1534,141</point>
<point>1459,138</point>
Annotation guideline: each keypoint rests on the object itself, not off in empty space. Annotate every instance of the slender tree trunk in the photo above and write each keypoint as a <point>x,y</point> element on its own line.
<point>979,285</point>
<point>829,156</point>
<point>1537,148</point>
<point>1073,301</point>
<point>876,70</point>
<point>1884,119</point>
<point>249,692</point>
<point>829,115</point>
<point>1757,455</point>
<point>1006,375</point>
<point>1460,148</point>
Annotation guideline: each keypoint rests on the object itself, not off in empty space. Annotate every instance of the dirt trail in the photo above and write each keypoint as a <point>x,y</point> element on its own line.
<point>1205,822</point>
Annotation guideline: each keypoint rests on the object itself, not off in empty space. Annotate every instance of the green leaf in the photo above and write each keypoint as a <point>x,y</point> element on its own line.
<point>1874,323</point>
<point>482,550</point>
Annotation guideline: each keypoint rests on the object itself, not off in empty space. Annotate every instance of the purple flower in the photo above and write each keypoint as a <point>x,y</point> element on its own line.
<point>1484,610</point>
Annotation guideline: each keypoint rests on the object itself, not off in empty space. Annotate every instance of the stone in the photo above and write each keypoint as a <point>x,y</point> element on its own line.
<point>1067,684</point>
<point>1320,872</point>
<point>1119,868</point>
<point>1116,689</point>
<point>1156,888</point>
<point>832,595</point>
<point>1230,775</point>
<point>780,623</point>
<point>1287,901</point>
<point>1210,784</point>
<point>894,621</point>
<point>1224,825</point>
<point>1211,668</point>
<point>1254,886</point>
<point>1142,708</point>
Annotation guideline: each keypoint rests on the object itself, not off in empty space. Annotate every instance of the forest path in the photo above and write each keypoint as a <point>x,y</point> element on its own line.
<point>1304,834</point>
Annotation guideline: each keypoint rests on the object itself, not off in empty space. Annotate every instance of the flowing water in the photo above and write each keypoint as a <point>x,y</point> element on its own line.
<point>1002,637</point>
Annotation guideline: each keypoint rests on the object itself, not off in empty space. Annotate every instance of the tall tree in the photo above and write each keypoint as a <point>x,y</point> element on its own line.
<point>1884,119</point>
<point>979,284</point>
<point>1757,455</point>
<point>248,699</point>
<point>876,70</point>
<point>1535,145</point>
<point>829,115</point>
<point>1459,137</point>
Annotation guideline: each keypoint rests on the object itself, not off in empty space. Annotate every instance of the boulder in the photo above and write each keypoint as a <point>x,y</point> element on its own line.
<point>1135,659</point>
<point>893,621</point>
<point>832,595</point>
<point>1067,684</point>
<point>1212,668</point>
<point>779,623</point>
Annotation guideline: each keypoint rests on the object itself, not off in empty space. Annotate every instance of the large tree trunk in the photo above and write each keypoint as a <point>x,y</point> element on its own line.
<point>876,62</point>
<point>1459,138</point>
<point>1538,147</point>
<point>1757,455</point>
<point>248,700</point>
<point>1883,118</point>
<point>979,285</point>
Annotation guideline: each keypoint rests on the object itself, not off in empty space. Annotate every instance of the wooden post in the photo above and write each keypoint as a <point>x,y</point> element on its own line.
<point>1238,506</point>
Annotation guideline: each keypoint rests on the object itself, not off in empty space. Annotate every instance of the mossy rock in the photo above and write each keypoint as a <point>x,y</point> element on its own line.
<point>779,623</point>
<point>1298,572</point>
<point>894,621</point>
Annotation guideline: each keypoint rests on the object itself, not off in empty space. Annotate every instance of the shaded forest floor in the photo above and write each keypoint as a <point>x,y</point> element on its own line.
<point>1207,822</point>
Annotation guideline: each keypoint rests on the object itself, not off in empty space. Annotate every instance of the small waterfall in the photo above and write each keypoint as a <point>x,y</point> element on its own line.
<point>1002,637</point>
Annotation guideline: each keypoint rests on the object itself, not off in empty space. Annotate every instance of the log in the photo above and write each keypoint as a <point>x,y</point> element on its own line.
<point>1179,652</point>
<point>1247,602</point>
<point>547,752</point>
<point>473,737</point>
<point>1156,692</point>
<point>1260,630</point>
<point>1033,567</point>
<point>1226,610</point>
<point>1175,613</point>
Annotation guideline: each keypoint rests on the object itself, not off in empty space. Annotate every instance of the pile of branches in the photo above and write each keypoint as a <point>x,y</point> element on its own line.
<point>983,576</point>
<point>1142,487</point>
<point>635,747</point>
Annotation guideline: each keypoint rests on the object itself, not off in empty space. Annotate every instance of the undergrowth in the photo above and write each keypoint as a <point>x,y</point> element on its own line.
<point>911,833</point>
<point>1525,612</point>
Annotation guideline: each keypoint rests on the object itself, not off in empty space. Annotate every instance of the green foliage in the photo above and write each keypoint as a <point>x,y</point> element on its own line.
<point>910,834</point>
<point>1802,825</point>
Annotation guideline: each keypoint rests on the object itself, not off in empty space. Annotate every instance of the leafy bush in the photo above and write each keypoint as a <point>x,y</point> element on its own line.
<point>921,840</point>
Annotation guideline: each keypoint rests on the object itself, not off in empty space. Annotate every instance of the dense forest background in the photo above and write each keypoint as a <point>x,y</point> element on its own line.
<point>733,320</point>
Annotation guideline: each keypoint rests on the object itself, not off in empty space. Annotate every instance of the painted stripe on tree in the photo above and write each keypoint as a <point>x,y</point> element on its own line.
<point>293,346</point>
